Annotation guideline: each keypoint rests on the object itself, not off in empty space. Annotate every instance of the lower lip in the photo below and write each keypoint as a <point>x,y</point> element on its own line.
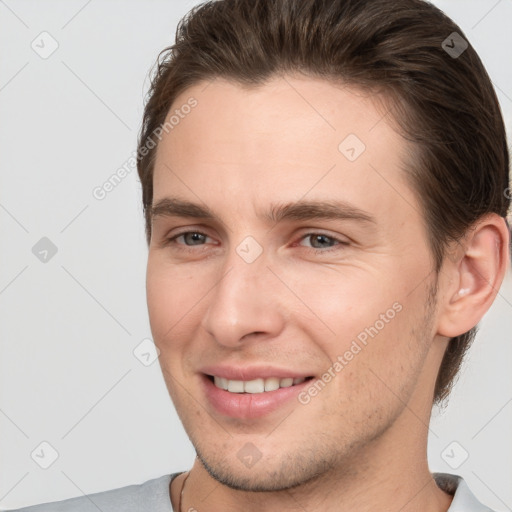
<point>249,405</point>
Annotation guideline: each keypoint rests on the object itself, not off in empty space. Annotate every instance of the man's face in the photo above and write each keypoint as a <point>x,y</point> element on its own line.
<point>290,298</point>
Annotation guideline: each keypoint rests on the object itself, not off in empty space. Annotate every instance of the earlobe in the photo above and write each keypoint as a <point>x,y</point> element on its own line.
<point>473,280</point>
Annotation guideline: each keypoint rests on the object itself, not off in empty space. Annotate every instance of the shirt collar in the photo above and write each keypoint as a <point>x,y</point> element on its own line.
<point>463,499</point>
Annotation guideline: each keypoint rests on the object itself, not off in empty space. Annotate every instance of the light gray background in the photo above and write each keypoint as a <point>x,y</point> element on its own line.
<point>68,375</point>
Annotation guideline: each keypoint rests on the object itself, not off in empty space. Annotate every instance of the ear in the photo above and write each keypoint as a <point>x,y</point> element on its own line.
<point>473,275</point>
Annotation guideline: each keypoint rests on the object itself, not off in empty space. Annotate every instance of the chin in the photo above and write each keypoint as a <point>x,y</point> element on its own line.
<point>289,473</point>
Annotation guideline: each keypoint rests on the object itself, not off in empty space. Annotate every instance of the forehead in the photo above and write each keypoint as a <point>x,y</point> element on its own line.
<point>288,138</point>
<point>298,108</point>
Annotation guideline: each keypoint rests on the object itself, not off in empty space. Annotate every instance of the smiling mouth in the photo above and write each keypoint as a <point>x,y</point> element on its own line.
<point>259,385</point>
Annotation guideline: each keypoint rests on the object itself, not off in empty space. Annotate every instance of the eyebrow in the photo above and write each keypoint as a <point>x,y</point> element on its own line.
<point>299,211</point>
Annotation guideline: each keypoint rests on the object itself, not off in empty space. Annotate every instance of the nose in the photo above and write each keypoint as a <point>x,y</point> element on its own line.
<point>244,303</point>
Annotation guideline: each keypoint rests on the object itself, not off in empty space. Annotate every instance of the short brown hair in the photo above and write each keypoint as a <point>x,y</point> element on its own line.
<point>444,103</point>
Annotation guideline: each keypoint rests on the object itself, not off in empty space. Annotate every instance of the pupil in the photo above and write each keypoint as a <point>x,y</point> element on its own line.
<point>319,237</point>
<point>193,237</point>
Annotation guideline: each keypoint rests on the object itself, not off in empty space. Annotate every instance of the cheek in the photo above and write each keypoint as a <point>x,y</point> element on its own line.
<point>171,296</point>
<point>345,302</point>
<point>364,321</point>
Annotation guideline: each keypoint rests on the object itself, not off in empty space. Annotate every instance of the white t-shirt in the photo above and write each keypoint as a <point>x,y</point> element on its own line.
<point>153,496</point>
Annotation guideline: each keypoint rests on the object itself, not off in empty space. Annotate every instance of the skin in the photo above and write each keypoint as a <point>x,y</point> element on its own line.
<point>361,442</point>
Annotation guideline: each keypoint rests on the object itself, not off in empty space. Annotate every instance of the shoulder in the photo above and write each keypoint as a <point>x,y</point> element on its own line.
<point>463,499</point>
<point>152,495</point>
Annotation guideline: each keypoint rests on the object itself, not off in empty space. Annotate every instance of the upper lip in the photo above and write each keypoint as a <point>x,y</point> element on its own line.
<point>251,372</point>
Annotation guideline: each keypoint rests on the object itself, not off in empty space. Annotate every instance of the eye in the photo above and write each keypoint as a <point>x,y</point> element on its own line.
<point>195,237</point>
<point>323,243</point>
<point>320,242</point>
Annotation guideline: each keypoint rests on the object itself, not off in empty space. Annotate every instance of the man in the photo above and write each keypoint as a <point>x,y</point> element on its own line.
<point>324,190</point>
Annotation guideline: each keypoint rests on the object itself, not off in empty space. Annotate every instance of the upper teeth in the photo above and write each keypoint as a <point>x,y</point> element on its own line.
<point>256,385</point>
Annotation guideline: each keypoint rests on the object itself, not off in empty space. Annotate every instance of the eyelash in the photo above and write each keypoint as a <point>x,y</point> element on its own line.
<point>172,240</point>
